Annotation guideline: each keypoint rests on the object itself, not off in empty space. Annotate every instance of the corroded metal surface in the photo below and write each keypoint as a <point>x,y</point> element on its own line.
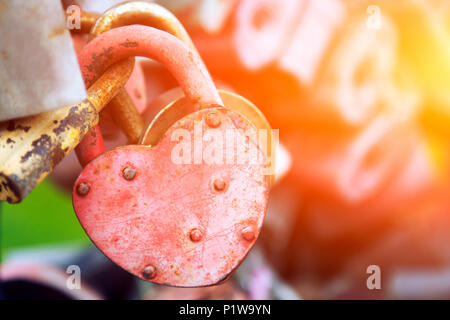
<point>126,116</point>
<point>176,224</point>
<point>31,147</point>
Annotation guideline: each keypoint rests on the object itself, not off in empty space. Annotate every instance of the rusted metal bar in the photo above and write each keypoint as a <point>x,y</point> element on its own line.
<point>127,116</point>
<point>31,147</point>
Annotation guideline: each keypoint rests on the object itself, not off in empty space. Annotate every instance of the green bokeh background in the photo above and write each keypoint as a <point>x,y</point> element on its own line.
<point>45,217</point>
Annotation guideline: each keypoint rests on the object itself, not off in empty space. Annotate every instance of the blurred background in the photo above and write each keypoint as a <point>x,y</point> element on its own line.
<point>359,91</point>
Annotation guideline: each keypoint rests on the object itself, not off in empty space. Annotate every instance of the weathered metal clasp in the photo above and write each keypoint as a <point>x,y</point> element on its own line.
<point>31,147</point>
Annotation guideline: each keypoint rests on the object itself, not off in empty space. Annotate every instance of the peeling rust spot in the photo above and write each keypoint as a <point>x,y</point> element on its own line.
<point>40,147</point>
<point>57,155</point>
<point>12,127</point>
<point>44,155</point>
<point>131,44</point>
<point>10,183</point>
<point>75,119</point>
<point>98,59</point>
<point>34,153</point>
<point>45,149</point>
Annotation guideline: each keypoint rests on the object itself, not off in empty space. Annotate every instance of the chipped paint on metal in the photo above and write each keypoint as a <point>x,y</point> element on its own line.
<point>36,152</point>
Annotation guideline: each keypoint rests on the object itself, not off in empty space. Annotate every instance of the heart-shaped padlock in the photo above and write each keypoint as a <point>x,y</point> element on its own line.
<point>183,224</point>
<point>174,213</point>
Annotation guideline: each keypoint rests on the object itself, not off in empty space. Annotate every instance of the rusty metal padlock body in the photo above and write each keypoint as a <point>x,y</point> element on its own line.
<point>178,224</point>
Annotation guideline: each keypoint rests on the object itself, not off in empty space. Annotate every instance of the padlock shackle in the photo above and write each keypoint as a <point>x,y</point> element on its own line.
<point>142,13</point>
<point>121,107</point>
<point>182,61</point>
<point>122,14</point>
